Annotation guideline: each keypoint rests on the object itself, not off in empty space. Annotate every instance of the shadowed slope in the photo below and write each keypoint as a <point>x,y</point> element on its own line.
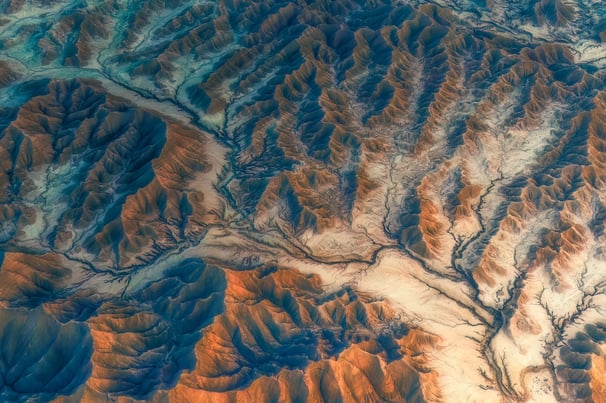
<point>170,169</point>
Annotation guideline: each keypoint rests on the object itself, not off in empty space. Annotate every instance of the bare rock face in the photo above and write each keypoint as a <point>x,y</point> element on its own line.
<point>302,201</point>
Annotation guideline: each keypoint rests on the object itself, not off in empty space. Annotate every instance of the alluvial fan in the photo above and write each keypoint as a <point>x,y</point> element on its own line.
<point>323,201</point>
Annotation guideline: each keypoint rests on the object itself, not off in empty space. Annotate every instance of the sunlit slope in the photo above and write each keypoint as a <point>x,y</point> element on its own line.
<point>303,201</point>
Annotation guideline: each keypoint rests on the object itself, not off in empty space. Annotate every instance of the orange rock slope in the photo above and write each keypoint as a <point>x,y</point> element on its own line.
<point>302,201</point>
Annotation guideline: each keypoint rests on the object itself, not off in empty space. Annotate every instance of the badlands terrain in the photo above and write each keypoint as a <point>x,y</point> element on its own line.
<point>323,201</point>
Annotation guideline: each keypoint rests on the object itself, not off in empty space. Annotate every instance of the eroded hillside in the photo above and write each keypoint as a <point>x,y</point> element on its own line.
<point>302,201</point>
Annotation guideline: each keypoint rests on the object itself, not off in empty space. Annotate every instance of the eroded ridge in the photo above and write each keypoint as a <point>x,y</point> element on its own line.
<point>302,201</point>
